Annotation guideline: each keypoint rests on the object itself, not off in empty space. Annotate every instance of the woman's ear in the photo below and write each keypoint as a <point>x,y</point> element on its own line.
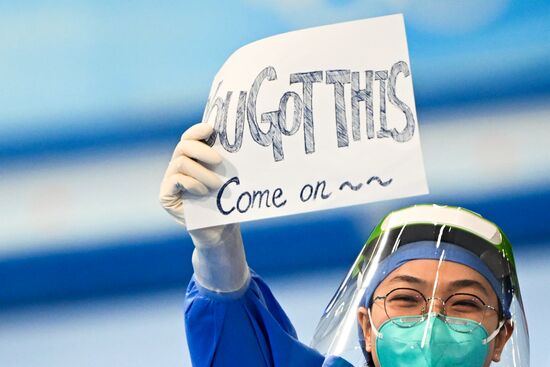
<point>363,317</point>
<point>501,339</point>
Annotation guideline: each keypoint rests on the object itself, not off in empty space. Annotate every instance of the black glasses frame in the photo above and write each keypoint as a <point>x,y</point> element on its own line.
<point>423,315</point>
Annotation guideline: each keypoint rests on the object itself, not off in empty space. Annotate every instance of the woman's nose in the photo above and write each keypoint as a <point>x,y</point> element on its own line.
<point>436,305</point>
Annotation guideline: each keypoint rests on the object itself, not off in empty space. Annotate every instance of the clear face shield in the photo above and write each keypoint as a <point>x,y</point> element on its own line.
<point>433,286</point>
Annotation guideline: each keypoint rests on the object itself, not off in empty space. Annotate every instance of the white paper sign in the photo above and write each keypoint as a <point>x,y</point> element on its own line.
<point>313,119</point>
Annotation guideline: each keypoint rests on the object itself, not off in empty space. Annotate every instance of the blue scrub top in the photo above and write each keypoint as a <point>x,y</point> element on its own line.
<point>246,328</point>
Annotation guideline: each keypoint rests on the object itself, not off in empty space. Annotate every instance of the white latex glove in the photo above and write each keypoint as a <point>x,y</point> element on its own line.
<point>218,260</point>
<point>185,173</point>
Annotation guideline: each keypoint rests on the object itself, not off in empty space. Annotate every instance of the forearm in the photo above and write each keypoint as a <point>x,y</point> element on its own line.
<point>219,260</point>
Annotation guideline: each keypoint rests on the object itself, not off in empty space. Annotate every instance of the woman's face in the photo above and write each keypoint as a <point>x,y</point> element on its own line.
<point>436,280</point>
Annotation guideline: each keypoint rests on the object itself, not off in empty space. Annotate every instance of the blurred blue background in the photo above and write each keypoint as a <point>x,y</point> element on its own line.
<point>95,94</point>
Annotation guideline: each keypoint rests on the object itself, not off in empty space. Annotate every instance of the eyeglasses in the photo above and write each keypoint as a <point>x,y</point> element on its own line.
<point>407,307</point>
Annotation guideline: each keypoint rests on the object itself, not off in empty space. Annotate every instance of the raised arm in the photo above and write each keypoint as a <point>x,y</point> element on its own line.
<point>231,316</point>
<point>218,259</point>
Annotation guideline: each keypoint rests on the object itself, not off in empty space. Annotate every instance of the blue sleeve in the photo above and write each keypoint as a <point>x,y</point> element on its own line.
<point>247,328</point>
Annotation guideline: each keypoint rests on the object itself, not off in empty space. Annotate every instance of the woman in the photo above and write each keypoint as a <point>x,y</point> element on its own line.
<point>433,286</point>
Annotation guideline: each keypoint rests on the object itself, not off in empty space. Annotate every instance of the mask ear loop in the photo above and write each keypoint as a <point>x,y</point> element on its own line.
<point>374,329</point>
<point>493,334</point>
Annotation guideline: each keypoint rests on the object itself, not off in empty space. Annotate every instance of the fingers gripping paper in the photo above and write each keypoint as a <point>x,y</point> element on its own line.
<point>314,119</point>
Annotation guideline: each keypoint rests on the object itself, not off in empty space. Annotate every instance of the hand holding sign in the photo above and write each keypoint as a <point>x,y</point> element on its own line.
<point>218,260</point>
<point>313,119</point>
<point>186,171</point>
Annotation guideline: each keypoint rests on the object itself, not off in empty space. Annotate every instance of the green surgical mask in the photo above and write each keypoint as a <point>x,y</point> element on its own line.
<point>431,342</point>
